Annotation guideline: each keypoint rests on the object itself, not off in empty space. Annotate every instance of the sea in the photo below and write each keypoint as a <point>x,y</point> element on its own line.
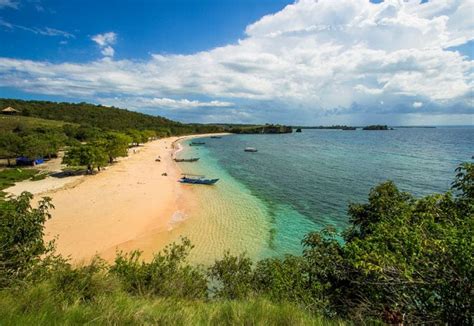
<point>266,202</point>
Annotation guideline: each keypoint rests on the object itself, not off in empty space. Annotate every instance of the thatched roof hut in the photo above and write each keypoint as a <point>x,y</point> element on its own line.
<point>10,110</point>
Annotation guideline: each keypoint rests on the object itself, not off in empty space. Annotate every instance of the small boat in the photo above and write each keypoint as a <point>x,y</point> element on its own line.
<point>250,149</point>
<point>197,179</point>
<point>216,137</point>
<point>193,159</point>
<point>197,143</point>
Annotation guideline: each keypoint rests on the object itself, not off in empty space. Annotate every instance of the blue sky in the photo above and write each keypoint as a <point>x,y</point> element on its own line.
<point>309,62</point>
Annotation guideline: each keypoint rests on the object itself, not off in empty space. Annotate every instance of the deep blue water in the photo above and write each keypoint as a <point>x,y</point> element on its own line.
<point>306,180</point>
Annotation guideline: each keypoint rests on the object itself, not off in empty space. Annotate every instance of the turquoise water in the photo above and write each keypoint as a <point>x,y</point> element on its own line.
<point>301,182</point>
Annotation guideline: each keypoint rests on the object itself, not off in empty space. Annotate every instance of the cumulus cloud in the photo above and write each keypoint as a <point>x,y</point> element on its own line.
<point>163,102</point>
<point>417,105</point>
<point>312,58</point>
<point>105,42</point>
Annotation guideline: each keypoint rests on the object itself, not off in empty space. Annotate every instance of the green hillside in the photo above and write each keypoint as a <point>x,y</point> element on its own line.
<point>11,123</point>
<point>106,118</point>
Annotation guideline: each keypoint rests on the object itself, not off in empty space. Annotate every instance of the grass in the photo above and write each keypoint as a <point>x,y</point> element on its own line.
<point>9,123</point>
<point>10,176</point>
<point>43,305</point>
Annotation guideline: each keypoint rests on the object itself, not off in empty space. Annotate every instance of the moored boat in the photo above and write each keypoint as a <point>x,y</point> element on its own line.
<point>250,149</point>
<point>197,179</point>
<point>193,159</point>
<point>197,143</point>
<point>216,137</point>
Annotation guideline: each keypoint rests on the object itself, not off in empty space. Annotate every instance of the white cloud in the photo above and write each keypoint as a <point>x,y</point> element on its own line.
<point>163,102</point>
<point>105,42</point>
<point>45,31</point>
<point>108,51</point>
<point>105,39</point>
<point>8,4</point>
<point>309,59</point>
<point>417,105</point>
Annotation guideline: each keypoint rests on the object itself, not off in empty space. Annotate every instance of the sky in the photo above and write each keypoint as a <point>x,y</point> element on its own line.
<point>251,61</point>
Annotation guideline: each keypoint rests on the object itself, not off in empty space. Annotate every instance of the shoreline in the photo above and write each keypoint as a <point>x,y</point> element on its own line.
<point>119,207</point>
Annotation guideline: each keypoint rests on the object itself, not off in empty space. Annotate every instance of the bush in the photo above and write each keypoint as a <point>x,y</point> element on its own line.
<point>21,237</point>
<point>81,283</point>
<point>167,275</point>
<point>231,276</point>
<point>286,279</point>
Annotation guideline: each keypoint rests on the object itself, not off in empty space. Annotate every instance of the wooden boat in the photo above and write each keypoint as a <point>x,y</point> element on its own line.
<point>250,149</point>
<point>193,159</point>
<point>197,143</point>
<point>197,179</point>
<point>216,137</point>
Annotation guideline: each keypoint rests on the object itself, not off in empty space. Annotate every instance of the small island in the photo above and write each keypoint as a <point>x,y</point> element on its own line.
<point>377,127</point>
<point>265,129</point>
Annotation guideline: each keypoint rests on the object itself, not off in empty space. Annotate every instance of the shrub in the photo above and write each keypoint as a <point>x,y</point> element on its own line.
<point>231,276</point>
<point>21,237</point>
<point>167,275</point>
<point>81,283</point>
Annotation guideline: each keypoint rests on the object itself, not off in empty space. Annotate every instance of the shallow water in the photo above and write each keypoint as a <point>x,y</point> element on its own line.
<point>265,202</point>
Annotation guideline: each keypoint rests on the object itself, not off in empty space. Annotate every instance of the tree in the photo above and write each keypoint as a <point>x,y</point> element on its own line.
<point>136,136</point>
<point>21,236</point>
<point>147,135</point>
<point>9,145</point>
<point>115,145</point>
<point>54,141</point>
<point>33,146</point>
<point>86,155</point>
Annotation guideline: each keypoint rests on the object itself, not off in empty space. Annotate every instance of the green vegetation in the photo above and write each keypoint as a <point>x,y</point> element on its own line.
<point>10,123</point>
<point>377,127</point>
<point>8,177</point>
<point>40,306</point>
<point>259,129</point>
<point>403,260</point>
<point>92,135</point>
<point>105,118</point>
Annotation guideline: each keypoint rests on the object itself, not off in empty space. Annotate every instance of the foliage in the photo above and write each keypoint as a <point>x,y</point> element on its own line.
<point>266,129</point>
<point>21,236</point>
<point>87,155</point>
<point>166,275</point>
<point>376,127</point>
<point>84,283</point>
<point>232,276</point>
<point>8,177</point>
<point>9,145</point>
<point>464,182</point>
<point>10,123</point>
<point>285,279</point>
<point>403,260</point>
<point>115,145</point>
<point>102,117</point>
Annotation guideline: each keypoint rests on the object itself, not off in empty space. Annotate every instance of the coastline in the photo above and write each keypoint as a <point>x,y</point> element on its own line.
<point>120,207</point>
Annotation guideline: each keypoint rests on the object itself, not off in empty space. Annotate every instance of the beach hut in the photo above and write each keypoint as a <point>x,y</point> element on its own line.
<point>10,111</point>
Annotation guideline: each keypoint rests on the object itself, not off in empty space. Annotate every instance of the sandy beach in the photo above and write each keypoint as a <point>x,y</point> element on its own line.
<point>117,207</point>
